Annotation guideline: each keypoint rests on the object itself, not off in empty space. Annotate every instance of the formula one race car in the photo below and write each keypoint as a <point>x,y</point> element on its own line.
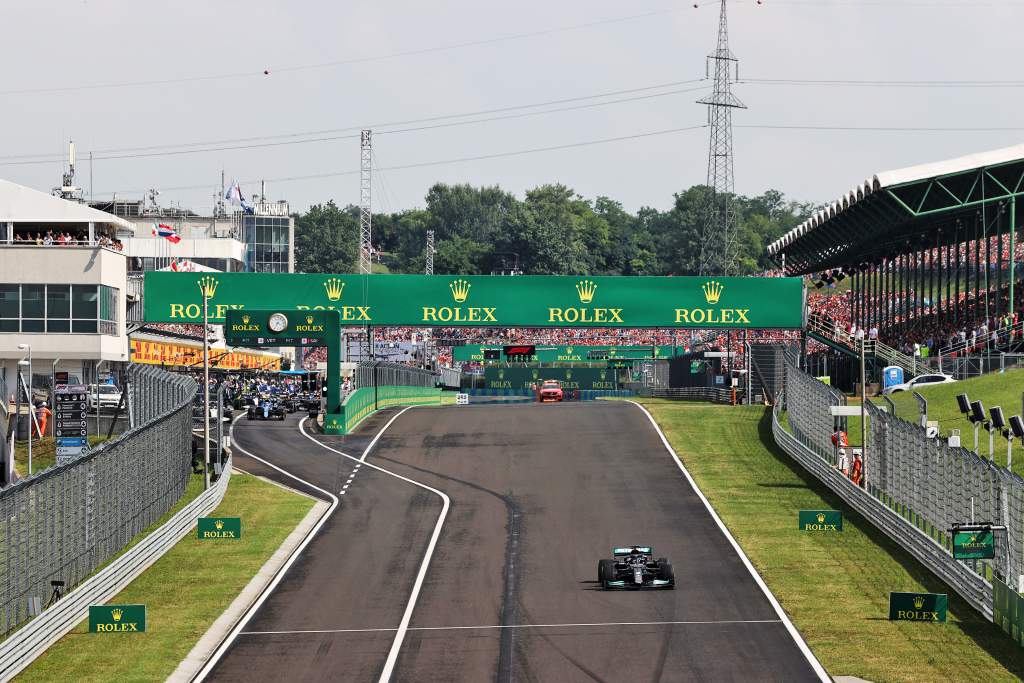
<point>550,391</point>
<point>265,408</point>
<point>634,567</point>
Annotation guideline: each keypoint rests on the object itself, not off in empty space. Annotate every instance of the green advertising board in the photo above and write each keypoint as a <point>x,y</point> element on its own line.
<point>820,520</point>
<point>210,528</point>
<point>470,353</point>
<point>117,618</point>
<point>1008,610</point>
<point>917,606</point>
<point>974,545</point>
<point>485,300</point>
<point>595,379</point>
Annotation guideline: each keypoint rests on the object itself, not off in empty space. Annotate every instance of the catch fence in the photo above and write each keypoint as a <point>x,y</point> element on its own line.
<point>916,487</point>
<point>380,374</point>
<point>66,521</point>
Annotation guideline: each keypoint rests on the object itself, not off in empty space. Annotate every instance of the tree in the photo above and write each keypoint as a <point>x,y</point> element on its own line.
<point>327,239</point>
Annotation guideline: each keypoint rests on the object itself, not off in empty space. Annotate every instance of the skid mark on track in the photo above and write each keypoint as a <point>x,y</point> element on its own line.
<point>509,612</point>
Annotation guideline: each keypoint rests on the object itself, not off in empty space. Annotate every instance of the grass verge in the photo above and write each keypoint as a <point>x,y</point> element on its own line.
<point>184,593</point>
<point>834,587</point>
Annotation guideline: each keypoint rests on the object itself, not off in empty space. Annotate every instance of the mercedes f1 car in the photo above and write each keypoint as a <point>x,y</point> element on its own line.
<point>550,391</point>
<point>265,409</point>
<point>635,567</point>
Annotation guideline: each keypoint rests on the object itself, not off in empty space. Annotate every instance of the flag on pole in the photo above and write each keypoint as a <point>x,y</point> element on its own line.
<point>167,232</point>
<point>234,194</point>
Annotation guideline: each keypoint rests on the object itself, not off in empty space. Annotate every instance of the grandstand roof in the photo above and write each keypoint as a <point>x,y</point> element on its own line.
<point>20,204</point>
<point>895,209</point>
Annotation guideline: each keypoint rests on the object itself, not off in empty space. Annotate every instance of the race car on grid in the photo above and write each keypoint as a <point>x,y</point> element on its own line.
<point>635,567</point>
<point>265,408</point>
<point>550,391</point>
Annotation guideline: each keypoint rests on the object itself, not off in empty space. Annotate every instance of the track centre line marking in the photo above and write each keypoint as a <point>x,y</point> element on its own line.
<point>403,626</point>
<point>499,626</point>
<point>797,638</point>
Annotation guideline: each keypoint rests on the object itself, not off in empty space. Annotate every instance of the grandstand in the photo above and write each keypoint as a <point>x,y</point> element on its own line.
<point>931,256</point>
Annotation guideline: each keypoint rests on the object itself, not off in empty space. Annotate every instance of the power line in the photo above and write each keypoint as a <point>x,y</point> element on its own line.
<point>441,162</point>
<point>885,129</point>
<point>887,83</point>
<point>246,143</point>
<point>265,70</point>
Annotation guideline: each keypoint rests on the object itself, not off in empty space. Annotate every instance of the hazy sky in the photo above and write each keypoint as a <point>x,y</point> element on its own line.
<point>201,63</point>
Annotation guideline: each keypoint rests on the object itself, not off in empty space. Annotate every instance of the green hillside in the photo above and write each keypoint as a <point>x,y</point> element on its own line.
<point>1006,390</point>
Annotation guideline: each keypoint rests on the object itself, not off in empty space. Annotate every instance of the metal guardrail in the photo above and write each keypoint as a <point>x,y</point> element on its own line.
<point>968,584</point>
<point>19,650</point>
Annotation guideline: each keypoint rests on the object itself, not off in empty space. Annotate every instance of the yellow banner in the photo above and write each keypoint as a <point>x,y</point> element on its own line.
<point>181,354</point>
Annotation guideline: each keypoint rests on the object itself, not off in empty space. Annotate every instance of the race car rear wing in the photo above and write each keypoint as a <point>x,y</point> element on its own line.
<point>646,550</point>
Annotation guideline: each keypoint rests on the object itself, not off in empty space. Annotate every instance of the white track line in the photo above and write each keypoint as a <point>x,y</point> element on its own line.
<point>500,626</point>
<point>219,652</point>
<point>800,642</point>
<point>396,645</point>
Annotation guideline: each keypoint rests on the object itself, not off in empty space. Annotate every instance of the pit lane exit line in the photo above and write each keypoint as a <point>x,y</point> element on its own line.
<point>501,626</point>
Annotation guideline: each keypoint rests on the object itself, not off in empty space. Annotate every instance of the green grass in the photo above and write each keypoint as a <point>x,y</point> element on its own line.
<point>834,587</point>
<point>184,592</point>
<point>44,454</point>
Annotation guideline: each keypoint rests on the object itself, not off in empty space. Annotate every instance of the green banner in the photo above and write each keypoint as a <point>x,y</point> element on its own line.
<point>117,618</point>
<point>820,520</point>
<point>485,300</point>
<point>570,378</point>
<point>974,545</point>
<point>569,354</point>
<point>1008,610</point>
<point>917,606</point>
<point>219,527</point>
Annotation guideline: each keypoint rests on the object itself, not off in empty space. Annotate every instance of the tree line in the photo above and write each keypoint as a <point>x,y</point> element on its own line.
<point>552,230</point>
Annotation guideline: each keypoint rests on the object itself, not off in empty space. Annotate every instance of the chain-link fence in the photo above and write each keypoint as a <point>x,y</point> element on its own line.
<point>63,523</point>
<point>381,374</point>
<point>924,480</point>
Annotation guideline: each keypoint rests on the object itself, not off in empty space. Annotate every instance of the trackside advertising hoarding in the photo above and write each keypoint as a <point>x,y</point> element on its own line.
<point>572,354</point>
<point>484,300</point>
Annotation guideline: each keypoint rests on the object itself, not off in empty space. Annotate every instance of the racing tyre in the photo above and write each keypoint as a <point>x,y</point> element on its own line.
<point>662,561</point>
<point>666,572</point>
<point>605,571</point>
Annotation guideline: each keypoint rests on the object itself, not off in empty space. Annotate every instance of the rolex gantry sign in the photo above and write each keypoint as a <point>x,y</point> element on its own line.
<point>522,301</point>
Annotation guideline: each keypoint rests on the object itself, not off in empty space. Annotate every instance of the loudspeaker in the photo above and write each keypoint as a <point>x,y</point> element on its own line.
<point>977,412</point>
<point>964,403</point>
<point>998,420</point>
<point>1017,426</point>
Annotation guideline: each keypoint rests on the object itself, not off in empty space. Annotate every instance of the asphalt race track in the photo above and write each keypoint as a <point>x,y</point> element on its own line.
<point>538,494</point>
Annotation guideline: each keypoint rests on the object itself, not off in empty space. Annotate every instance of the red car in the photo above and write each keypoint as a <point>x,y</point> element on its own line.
<point>551,390</point>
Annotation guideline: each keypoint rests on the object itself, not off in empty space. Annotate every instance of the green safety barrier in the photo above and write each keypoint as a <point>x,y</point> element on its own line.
<point>367,400</point>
